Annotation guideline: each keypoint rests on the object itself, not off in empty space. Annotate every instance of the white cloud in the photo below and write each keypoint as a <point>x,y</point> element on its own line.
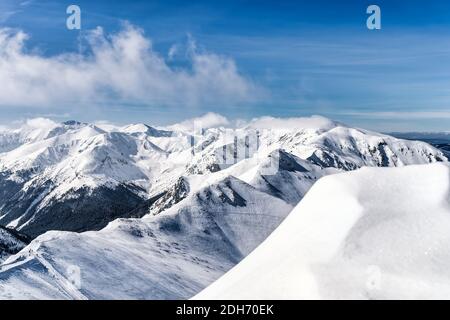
<point>38,123</point>
<point>122,68</point>
<point>209,120</point>
<point>107,125</point>
<point>214,120</point>
<point>29,124</point>
<point>313,122</point>
<point>172,52</point>
<point>26,3</point>
<point>4,16</point>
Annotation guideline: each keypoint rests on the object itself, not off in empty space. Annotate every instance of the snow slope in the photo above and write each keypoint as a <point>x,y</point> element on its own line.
<point>172,255</point>
<point>382,233</point>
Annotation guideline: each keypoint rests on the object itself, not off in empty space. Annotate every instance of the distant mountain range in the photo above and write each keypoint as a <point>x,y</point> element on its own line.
<point>177,208</point>
<point>440,140</point>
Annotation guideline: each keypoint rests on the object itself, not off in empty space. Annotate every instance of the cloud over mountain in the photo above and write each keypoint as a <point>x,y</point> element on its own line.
<point>122,67</point>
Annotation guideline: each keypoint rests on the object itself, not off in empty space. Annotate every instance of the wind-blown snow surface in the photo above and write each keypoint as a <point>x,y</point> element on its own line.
<point>376,233</point>
<point>201,215</point>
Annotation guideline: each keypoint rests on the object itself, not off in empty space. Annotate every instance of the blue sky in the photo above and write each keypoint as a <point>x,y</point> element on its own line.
<point>287,59</point>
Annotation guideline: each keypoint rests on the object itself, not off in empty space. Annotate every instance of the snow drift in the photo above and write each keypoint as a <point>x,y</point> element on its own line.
<point>375,233</point>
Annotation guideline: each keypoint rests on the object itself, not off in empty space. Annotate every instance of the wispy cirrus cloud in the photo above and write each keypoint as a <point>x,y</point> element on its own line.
<point>4,16</point>
<point>10,8</point>
<point>118,68</point>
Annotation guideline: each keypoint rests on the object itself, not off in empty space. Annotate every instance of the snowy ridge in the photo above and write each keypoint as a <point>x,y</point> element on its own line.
<point>381,234</point>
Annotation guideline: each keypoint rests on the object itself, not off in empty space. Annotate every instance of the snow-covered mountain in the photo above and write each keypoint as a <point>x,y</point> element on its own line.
<point>440,140</point>
<point>381,234</point>
<point>53,177</point>
<point>201,200</point>
<point>173,255</point>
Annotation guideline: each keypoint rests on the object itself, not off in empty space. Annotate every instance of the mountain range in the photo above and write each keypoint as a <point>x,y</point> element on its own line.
<point>160,213</point>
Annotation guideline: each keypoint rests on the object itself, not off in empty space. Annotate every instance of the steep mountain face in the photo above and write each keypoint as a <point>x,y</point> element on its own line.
<point>292,179</point>
<point>176,193</point>
<point>206,200</point>
<point>239,212</point>
<point>381,234</point>
<point>11,242</point>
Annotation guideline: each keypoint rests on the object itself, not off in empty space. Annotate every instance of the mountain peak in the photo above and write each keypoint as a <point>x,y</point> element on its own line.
<point>142,128</point>
<point>72,123</point>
